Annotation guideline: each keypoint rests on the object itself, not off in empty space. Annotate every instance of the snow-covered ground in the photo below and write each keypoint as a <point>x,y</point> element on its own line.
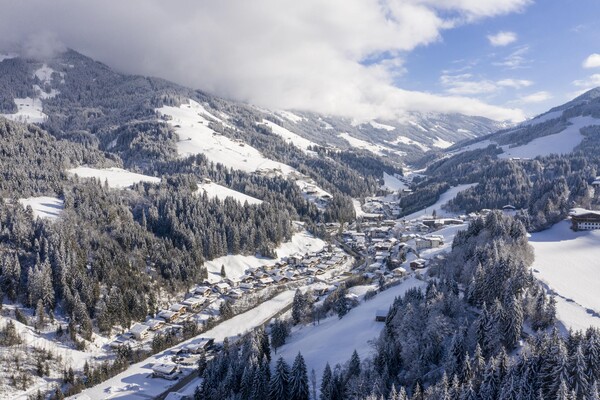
<point>311,191</point>
<point>441,143</point>
<point>444,198</point>
<point>289,136</point>
<point>221,192</point>
<point>136,382</point>
<point>29,111</point>
<point>6,56</point>
<point>116,177</point>
<point>195,137</point>
<point>290,116</point>
<point>393,183</point>
<point>235,265</point>
<point>334,340</point>
<point>385,127</point>
<point>569,263</point>
<point>559,143</point>
<point>361,144</point>
<point>44,206</point>
<point>543,118</point>
<point>405,140</point>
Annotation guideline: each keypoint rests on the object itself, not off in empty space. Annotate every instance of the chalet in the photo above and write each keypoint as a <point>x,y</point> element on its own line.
<point>235,293</point>
<point>168,315</point>
<point>280,278</point>
<point>203,290</point>
<point>222,287</point>
<point>585,220</point>
<point>115,344</point>
<point>193,303</point>
<point>232,281</point>
<point>247,286</point>
<point>266,281</point>
<point>165,371</point>
<point>178,308</point>
<point>418,264</point>
<point>400,271</point>
<point>381,315</point>
<point>155,324</point>
<point>140,331</point>
<point>596,183</point>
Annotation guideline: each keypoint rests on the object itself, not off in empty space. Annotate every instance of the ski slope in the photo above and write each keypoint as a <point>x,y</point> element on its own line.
<point>214,190</point>
<point>559,143</point>
<point>116,177</point>
<point>569,263</point>
<point>334,339</point>
<point>361,144</point>
<point>195,137</point>
<point>44,206</point>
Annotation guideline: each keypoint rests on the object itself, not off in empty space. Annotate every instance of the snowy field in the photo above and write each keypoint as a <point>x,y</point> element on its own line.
<point>384,127</point>
<point>44,207</point>
<point>408,141</point>
<point>334,339</point>
<point>559,143</point>
<point>29,111</point>
<point>289,136</point>
<point>393,183</point>
<point>569,263</point>
<point>136,382</point>
<point>213,190</point>
<point>235,265</point>
<point>116,177</point>
<point>361,144</point>
<point>444,198</point>
<point>441,143</point>
<point>195,137</point>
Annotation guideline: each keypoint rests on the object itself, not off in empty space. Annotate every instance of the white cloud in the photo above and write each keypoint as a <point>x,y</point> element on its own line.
<point>591,82</point>
<point>502,38</point>
<point>516,59</point>
<point>592,61</point>
<point>275,53</point>
<point>537,97</point>
<point>465,84</point>
<point>514,83</point>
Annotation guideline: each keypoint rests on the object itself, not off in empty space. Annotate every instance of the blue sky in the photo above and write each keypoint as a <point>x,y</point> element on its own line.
<point>553,38</point>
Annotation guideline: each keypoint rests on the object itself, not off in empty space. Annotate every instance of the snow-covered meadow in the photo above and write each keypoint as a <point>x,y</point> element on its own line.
<point>116,177</point>
<point>195,137</point>
<point>569,263</point>
<point>214,190</point>
<point>44,206</point>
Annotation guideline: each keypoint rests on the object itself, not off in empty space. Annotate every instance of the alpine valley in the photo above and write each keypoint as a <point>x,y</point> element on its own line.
<point>158,241</point>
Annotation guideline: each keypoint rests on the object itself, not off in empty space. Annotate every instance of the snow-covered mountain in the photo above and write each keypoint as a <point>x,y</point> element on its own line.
<point>557,131</point>
<point>76,97</point>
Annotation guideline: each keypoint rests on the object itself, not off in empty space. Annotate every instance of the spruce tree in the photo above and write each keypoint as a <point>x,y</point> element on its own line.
<point>299,389</point>
<point>279,385</point>
<point>326,383</point>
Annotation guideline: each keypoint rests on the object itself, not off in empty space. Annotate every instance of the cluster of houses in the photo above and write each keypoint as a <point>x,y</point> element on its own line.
<point>197,305</point>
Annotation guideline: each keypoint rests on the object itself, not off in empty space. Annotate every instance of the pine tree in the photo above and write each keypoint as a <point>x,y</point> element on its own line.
<point>578,379</point>
<point>326,383</point>
<point>354,365</point>
<point>279,385</point>
<point>298,307</point>
<point>562,392</point>
<point>299,389</point>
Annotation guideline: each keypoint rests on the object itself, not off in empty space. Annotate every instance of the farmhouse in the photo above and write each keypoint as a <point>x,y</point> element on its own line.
<point>167,315</point>
<point>418,264</point>
<point>585,220</point>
